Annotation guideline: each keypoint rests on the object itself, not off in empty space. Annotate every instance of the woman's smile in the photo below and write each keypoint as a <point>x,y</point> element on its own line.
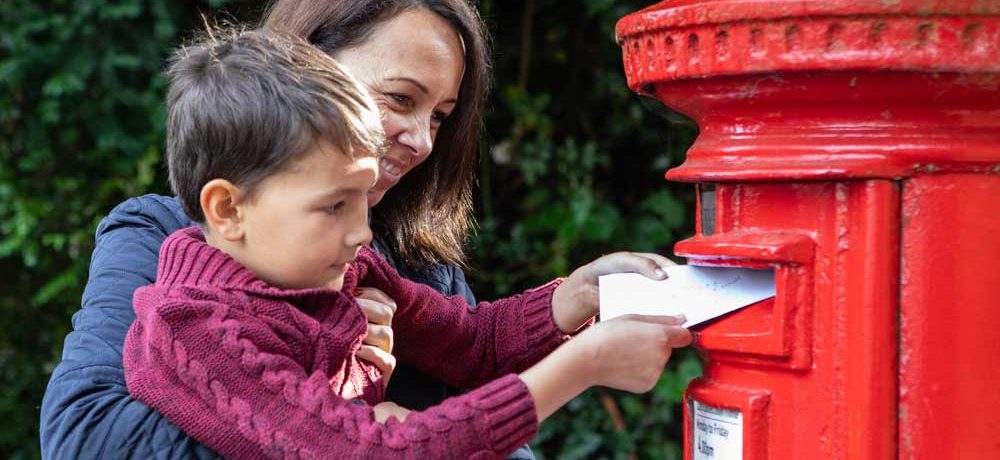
<point>392,169</point>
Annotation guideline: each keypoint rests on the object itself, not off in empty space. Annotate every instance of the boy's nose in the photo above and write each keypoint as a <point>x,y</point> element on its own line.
<point>360,235</point>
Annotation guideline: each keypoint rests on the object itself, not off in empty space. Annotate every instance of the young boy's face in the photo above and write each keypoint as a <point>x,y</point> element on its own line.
<point>305,224</point>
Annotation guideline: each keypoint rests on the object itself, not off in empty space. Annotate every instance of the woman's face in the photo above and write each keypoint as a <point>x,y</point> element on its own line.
<point>412,65</point>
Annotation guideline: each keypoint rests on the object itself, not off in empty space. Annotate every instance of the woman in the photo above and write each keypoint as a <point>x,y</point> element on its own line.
<point>426,63</point>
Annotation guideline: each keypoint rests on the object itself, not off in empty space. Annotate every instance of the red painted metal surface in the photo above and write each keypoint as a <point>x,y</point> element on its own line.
<point>854,148</point>
<point>949,314</point>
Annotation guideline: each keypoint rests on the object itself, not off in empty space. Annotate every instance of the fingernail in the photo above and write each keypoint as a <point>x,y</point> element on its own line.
<point>660,273</point>
<point>680,318</point>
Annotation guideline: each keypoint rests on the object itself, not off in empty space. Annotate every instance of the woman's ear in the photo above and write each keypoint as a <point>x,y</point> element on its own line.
<point>219,202</point>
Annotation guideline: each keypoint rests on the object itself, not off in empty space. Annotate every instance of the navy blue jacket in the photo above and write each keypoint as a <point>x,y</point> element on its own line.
<point>87,411</point>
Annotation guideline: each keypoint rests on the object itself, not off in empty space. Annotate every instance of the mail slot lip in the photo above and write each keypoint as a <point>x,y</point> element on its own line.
<point>738,248</point>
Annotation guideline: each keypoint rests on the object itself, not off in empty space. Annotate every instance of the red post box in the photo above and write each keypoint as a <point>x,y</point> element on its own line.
<point>854,148</point>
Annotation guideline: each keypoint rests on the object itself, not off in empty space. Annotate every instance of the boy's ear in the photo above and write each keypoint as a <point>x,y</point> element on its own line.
<point>219,202</point>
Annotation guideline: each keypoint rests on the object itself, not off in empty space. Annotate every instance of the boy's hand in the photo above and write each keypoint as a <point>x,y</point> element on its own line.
<point>629,352</point>
<point>378,342</point>
<point>386,410</point>
<point>576,300</point>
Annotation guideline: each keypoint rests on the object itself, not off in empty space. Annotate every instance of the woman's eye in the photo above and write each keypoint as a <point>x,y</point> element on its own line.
<point>439,116</point>
<point>400,99</point>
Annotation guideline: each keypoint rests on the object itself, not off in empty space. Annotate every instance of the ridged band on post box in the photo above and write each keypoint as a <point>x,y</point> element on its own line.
<point>854,148</point>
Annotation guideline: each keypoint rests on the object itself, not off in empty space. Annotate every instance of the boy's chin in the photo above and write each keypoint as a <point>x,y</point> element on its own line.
<point>336,284</point>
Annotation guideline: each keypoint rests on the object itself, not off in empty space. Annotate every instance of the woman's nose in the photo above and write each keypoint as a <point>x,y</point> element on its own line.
<point>418,138</point>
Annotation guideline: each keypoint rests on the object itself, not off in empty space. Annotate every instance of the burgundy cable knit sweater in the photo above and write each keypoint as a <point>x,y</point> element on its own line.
<point>247,369</point>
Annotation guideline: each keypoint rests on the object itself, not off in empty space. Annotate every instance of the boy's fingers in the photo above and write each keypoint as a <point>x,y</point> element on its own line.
<point>675,320</point>
<point>678,337</point>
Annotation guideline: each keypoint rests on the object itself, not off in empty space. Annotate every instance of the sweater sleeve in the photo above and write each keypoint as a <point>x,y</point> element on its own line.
<point>87,411</point>
<point>223,378</point>
<point>462,345</point>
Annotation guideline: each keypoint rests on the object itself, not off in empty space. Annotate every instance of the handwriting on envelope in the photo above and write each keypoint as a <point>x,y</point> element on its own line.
<point>699,293</point>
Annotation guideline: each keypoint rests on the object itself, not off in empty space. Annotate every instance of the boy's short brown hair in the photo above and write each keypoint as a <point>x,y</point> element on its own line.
<point>243,104</point>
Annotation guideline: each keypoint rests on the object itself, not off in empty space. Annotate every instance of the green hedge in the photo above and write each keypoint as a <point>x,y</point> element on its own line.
<point>572,168</point>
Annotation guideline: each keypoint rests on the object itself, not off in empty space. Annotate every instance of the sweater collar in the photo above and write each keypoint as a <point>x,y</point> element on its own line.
<point>186,259</point>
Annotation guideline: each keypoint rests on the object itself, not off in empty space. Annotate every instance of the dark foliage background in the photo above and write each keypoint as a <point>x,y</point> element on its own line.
<point>572,168</point>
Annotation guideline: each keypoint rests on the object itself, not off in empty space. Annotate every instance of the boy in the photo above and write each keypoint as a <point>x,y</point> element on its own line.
<point>246,341</point>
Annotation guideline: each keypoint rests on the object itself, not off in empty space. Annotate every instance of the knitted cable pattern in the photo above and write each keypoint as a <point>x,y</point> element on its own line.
<point>283,379</point>
<point>192,373</point>
<point>240,396</point>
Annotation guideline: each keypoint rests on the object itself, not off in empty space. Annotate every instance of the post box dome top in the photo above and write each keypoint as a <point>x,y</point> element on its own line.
<point>678,39</point>
<point>672,13</point>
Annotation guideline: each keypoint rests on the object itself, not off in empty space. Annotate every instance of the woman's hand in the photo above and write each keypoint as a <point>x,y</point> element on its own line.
<point>576,300</point>
<point>378,342</point>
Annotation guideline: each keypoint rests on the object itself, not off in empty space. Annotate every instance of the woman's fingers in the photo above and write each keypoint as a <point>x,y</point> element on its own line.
<point>376,306</point>
<point>385,362</point>
<point>379,336</point>
<point>379,309</point>
<point>376,312</point>
<point>376,295</point>
<point>652,266</point>
<point>661,260</point>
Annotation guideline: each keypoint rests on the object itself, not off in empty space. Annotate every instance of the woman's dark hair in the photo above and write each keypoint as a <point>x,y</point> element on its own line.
<point>427,217</point>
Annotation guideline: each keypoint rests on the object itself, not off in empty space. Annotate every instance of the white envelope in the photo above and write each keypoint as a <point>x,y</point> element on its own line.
<point>699,293</point>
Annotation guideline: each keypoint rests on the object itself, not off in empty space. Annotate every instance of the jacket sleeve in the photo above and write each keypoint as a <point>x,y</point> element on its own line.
<point>87,411</point>
<point>465,346</point>
<point>227,379</point>
<point>459,286</point>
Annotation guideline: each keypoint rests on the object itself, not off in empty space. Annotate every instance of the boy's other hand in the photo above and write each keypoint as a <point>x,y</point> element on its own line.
<point>576,300</point>
<point>386,410</point>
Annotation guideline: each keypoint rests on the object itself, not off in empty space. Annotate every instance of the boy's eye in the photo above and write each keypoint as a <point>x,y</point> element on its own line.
<point>334,209</point>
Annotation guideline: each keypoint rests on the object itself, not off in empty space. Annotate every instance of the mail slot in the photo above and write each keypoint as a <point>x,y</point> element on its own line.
<point>773,332</point>
<point>853,147</point>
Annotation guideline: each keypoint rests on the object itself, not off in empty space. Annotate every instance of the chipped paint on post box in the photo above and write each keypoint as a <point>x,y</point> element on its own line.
<point>854,148</point>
